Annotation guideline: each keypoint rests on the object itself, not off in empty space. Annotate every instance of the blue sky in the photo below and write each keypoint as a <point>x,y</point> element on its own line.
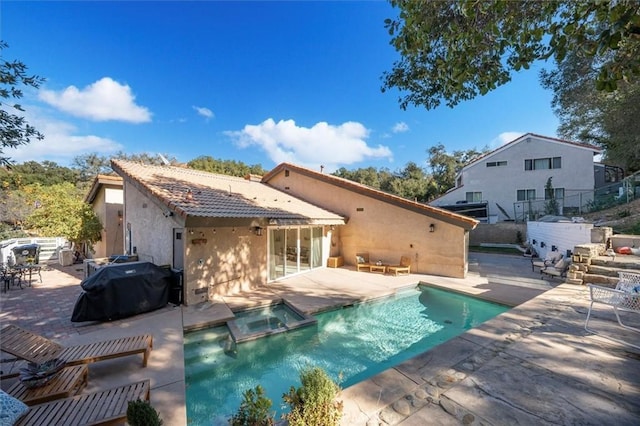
<point>258,82</point>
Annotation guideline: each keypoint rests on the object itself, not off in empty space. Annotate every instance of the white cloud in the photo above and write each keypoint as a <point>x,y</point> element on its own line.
<point>504,138</point>
<point>205,112</point>
<point>103,100</point>
<point>400,127</point>
<point>61,144</point>
<point>322,144</point>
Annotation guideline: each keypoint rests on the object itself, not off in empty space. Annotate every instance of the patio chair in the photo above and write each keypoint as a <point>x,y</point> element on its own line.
<point>35,348</point>
<point>628,281</point>
<point>403,267</point>
<point>550,259</point>
<point>98,408</point>
<point>558,270</point>
<point>627,301</point>
<point>362,262</point>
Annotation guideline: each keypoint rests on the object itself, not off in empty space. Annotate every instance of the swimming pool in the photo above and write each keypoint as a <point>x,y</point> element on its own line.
<point>354,343</point>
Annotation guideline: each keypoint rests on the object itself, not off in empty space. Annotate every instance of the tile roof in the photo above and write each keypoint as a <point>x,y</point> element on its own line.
<point>441,214</point>
<point>593,148</point>
<point>220,196</point>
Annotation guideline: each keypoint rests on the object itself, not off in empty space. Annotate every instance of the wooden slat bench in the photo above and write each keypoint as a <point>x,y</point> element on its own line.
<point>35,348</point>
<point>108,407</point>
<point>67,383</point>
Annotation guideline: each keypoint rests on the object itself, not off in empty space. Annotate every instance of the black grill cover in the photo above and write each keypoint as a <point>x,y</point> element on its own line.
<point>122,290</point>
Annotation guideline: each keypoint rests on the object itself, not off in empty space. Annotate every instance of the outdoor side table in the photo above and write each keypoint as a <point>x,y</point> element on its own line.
<point>378,268</point>
<point>67,383</point>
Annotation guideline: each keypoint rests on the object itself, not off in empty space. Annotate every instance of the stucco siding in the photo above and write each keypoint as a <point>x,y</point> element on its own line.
<point>499,185</point>
<point>151,231</point>
<point>231,260</point>
<point>384,230</point>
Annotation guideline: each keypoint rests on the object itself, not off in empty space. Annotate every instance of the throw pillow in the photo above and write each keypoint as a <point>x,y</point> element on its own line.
<point>560,265</point>
<point>11,409</point>
<point>360,259</point>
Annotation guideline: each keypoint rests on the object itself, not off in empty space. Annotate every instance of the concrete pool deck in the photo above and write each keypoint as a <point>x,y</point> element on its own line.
<point>535,364</point>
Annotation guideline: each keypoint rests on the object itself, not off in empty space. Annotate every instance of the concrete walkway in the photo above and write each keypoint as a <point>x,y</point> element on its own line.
<point>532,365</point>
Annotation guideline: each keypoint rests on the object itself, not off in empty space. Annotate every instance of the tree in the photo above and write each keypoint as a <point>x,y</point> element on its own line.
<point>91,165</point>
<point>601,118</point>
<point>551,206</point>
<point>445,167</point>
<point>46,173</point>
<point>455,50</point>
<point>61,211</point>
<point>225,167</point>
<point>14,129</point>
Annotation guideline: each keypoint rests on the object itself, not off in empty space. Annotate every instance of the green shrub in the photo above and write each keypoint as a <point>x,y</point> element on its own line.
<point>624,213</point>
<point>141,413</point>
<point>255,409</point>
<point>314,403</point>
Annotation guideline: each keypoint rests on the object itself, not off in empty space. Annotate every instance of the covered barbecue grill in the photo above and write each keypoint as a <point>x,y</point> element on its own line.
<point>121,290</point>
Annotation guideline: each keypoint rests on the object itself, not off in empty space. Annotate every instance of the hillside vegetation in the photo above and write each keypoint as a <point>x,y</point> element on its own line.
<point>624,219</point>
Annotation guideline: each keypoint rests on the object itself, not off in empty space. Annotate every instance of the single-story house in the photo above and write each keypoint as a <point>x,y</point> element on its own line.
<point>229,234</point>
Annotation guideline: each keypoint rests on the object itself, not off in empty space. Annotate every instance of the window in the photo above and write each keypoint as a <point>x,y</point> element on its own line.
<point>496,163</point>
<point>474,197</point>
<point>526,194</point>
<point>555,193</point>
<point>543,163</point>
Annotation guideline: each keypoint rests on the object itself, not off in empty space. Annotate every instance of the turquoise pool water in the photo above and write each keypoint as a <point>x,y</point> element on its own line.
<point>354,343</point>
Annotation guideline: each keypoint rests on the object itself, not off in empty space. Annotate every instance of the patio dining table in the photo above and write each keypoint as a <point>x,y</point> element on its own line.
<point>29,269</point>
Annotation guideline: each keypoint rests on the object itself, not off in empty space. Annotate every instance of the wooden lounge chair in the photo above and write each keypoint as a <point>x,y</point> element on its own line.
<point>35,348</point>
<point>107,407</point>
<point>362,261</point>
<point>403,267</point>
<point>67,383</point>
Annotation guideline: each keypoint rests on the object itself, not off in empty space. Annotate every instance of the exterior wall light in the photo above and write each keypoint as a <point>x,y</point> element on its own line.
<point>432,228</point>
<point>542,244</point>
<point>258,231</point>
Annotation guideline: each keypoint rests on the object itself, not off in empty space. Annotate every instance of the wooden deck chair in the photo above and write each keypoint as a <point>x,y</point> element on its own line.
<point>35,348</point>
<point>403,267</point>
<point>108,407</point>
<point>362,261</point>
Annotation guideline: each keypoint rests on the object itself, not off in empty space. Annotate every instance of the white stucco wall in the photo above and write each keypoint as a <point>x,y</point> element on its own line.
<point>500,184</point>
<point>564,235</point>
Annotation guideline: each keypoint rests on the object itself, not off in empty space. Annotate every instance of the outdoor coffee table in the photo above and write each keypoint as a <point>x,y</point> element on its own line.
<point>378,268</point>
<point>67,383</point>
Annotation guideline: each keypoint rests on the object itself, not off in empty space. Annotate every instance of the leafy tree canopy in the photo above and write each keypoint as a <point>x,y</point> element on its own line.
<point>225,167</point>
<point>46,173</point>
<point>445,166</point>
<point>609,120</point>
<point>454,50</point>
<point>14,129</point>
<point>61,211</point>
<point>91,165</point>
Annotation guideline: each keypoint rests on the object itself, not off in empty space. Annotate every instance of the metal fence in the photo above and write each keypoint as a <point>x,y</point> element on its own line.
<point>579,203</point>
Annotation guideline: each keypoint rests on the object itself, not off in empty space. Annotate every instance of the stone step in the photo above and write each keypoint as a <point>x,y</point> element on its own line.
<point>609,271</point>
<point>619,261</point>
<point>608,281</point>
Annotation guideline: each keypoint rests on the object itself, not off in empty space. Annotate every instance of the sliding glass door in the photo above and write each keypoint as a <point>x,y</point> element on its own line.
<point>293,250</point>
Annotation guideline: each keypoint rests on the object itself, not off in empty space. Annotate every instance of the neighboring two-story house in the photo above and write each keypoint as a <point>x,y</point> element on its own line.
<point>510,182</point>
